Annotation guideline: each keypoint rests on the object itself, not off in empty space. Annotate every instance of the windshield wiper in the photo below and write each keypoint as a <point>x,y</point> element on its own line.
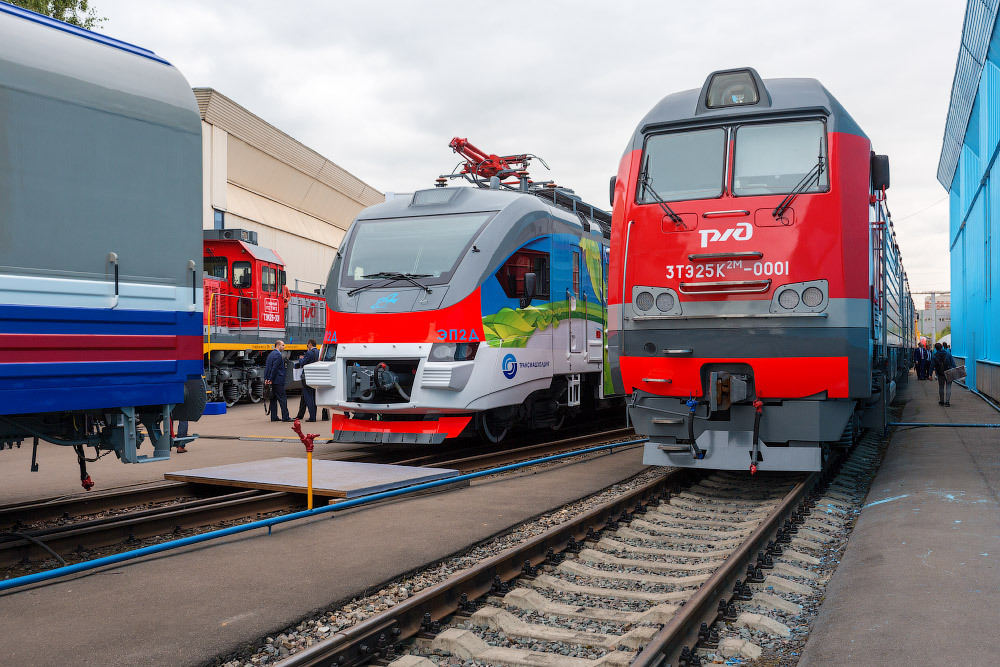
<point>803,185</point>
<point>391,277</point>
<point>644,182</point>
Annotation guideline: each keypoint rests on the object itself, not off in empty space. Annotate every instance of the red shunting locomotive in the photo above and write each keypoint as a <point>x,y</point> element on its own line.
<point>248,307</point>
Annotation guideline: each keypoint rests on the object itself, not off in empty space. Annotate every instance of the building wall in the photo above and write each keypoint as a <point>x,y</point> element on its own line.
<point>974,202</point>
<point>299,203</point>
<point>926,326</point>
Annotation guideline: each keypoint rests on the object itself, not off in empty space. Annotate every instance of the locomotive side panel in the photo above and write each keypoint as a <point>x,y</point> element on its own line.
<point>100,145</point>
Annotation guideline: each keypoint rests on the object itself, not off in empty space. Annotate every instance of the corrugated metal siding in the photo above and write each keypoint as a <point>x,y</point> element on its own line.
<point>980,19</point>
<point>219,110</point>
<point>974,255</point>
<point>258,171</point>
<point>253,206</point>
<point>305,260</point>
<point>958,329</point>
<point>991,108</point>
<point>988,379</point>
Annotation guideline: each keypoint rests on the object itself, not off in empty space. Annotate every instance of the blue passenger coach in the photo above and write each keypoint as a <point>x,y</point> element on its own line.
<point>100,241</point>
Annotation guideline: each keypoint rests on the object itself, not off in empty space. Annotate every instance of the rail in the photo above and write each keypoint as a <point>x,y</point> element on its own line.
<point>37,577</point>
<point>356,645</point>
<point>703,607</point>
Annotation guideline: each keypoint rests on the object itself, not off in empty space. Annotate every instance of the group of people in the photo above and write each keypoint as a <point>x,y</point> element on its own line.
<point>939,361</point>
<point>274,376</point>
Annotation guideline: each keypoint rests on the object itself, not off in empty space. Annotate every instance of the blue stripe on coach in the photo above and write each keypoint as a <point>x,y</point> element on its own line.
<point>96,321</point>
<point>45,387</point>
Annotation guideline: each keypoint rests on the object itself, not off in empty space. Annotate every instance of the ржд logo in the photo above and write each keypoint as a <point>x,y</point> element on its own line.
<point>742,232</point>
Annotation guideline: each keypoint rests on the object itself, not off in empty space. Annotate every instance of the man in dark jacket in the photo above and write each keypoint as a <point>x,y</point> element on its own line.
<point>942,362</point>
<point>923,362</point>
<point>274,375</point>
<point>308,400</point>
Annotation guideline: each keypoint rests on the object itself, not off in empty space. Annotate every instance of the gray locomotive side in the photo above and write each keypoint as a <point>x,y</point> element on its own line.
<point>100,241</point>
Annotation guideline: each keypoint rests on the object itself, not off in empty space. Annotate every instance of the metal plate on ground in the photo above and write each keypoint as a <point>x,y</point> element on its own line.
<point>337,479</point>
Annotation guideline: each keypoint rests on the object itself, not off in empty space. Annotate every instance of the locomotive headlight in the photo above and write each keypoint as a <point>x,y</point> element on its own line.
<point>442,352</point>
<point>789,298</point>
<point>453,351</point>
<point>644,301</point>
<point>665,301</point>
<point>812,296</point>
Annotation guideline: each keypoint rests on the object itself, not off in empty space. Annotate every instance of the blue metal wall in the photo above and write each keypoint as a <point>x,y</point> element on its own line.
<point>971,145</point>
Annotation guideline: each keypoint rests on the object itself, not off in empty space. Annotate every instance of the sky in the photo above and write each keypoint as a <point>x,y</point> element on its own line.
<point>380,88</point>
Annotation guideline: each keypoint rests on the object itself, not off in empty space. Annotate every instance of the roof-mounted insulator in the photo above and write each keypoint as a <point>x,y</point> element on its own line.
<point>522,176</point>
<point>440,182</point>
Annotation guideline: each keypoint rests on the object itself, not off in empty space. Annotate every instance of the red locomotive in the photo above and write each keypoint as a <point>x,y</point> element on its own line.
<point>759,311</point>
<point>248,306</point>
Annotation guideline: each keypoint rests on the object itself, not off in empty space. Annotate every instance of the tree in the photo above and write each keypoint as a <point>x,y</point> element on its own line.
<point>74,12</point>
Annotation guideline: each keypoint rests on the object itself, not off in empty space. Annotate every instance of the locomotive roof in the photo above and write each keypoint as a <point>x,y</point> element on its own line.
<point>41,19</point>
<point>45,57</point>
<point>783,96</point>
<point>443,201</point>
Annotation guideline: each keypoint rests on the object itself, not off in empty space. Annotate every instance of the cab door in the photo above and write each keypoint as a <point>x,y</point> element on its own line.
<point>245,298</point>
<point>271,309</point>
<point>577,303</point>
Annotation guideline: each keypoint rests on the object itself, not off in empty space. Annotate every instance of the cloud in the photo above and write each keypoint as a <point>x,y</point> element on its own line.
<point>381,88</point>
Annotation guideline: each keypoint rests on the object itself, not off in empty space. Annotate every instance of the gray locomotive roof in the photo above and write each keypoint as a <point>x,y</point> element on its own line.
<point>40,56</point>
<point>786,95</point>
<point>263,254</point>
<point>465,200</point>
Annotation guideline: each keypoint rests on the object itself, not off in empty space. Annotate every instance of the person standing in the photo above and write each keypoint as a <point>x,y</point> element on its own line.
<point>182,432</point>
<point>942,362</point>
<point>308,400</point>
<point>923,362</point>
<point>274,375</point>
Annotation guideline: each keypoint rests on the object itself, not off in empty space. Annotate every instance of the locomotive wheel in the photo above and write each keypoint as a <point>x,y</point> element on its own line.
<point>559,421</point>
<point>231,394</point>
<point>490,428</point>
<point>256,392</point>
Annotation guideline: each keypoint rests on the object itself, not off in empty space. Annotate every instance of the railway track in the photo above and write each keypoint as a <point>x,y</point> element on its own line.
<point>119,519</point>
<point>680,570</point>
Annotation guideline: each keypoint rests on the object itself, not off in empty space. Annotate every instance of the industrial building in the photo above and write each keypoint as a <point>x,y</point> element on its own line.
<point>966,170</point>
<point>934,319</point>
<point>256,177</point>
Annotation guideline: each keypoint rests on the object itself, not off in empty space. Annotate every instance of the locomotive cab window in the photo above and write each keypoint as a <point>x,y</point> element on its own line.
<point>779,158</point>
<point>427,248</point>
<point>268,279</point>
<point>682,165</point>
<point>216,267</point>
<point>511,274</point>
<point>241,275</point>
